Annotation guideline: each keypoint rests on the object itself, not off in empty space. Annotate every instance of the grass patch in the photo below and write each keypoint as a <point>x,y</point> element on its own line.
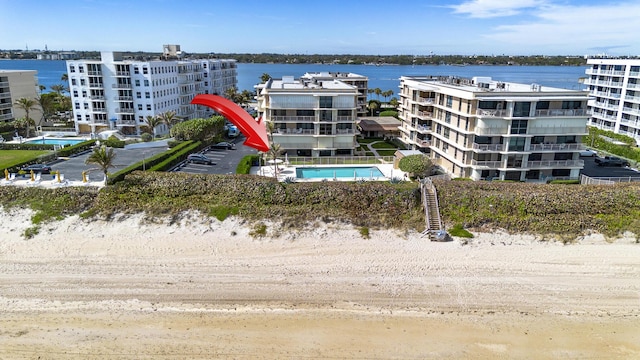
<point>10,158</point>
<point>259,230</point>
<point>221,212</point>
<point>383,145</point>
<point>364,232</point>
<point>369,140</point>
<point>386,152</point>
<point>459,231</point>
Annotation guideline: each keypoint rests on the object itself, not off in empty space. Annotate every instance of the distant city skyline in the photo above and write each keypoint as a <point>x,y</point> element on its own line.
<point>374,27</point>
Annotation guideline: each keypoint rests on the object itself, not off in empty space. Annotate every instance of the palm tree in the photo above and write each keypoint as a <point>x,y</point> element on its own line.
<point>46,104</point>
<point>42,88</point>
<point>58,89</point>
<point>370,91</point>
<point>386,94</point>
<point>168,118</point>
<point>274,151</point>
<point>377,91</point>
<point>64,77</point>
<point>373,106</point>
<point>27,105</point>
<point>152,122</point>
<point>265,77</point>
<point>103,157</point>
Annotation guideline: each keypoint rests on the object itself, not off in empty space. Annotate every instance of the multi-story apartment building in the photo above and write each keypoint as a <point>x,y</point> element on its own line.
<point>310,117</point>
<point>484,129</point>
<point>361,82</point>
<point>114,93</point>
<point>614,85</point>
<point>16,84</point>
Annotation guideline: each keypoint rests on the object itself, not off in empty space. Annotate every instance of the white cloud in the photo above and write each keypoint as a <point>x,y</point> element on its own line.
<point>575,28</point>
<point>495,8</point>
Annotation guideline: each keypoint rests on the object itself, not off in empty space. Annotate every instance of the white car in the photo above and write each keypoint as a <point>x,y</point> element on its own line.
<point>588,152</point>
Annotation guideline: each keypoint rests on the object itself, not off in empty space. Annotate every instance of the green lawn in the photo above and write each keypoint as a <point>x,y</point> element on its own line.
<point>10,158</point>
<point>369,140</point>
<point>383,145</point>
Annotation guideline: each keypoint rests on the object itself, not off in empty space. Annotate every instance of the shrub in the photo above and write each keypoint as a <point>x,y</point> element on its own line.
<point>221,212</point>
<point>114,142</point>
<point>245,164</point>
<point>259,230</point>
<point>459,231</point>
<point>364,232</point>
<point>417,165</point>
<point>199,129</point>
<point>389,113</point>
<point>146,137</point>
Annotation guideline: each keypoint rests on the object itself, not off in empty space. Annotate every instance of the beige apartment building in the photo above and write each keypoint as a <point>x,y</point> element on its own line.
<point>310,116</point>
<point>483,129</point>
<point>16,84</point>
<point>360,82</point>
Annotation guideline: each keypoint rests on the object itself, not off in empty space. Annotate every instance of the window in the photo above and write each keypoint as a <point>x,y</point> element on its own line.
<point>521,109</point>
<point>83,82</point>
<point>447,118</point>
<point>136,70</point>
<point>147,95</point>
<point>517,144</point>
<point>149,107</point>
<point>138,95</point>
<point>75,93</point>
<point>542,105</point>
<point>137,82</point>
<point>81,69</point>
<point>571,105</point>
<point>72,69</point>
<point>84,93</point>
<point>145,70</point>
<point>449,101</point>
<point>326,102</point>
<point>79,117</point>
<point>73,82</point>
<point>146,82</point>
<point>78,106</point>
<point>140,107</point>
<point>519,126</point>
<point>305,113</point>
<point>86,106</point>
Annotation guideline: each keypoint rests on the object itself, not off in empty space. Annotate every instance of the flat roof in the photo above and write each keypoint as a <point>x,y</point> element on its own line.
<point>481,84</point>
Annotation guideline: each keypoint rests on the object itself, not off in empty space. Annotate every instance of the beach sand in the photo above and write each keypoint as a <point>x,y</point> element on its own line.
<point>135,289</point>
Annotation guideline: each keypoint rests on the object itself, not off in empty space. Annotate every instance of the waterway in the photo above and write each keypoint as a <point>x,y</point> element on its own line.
<point>385,77</point>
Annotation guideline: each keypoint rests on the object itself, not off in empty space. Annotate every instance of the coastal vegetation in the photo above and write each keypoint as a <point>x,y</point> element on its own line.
<point>552,211</point>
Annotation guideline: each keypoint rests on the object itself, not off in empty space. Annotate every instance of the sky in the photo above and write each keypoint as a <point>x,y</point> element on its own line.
<point>361,27</point>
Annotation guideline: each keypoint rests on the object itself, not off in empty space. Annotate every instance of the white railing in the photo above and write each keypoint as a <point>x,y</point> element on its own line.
<point>561,130</point>
<point>491,130</point>
<point>293,118</point>
<point>125,110</point>
<point>488,147</point>
<point>556,147</point>
<point>491,113</point>
<point>553,163</point>
<point>560,112</point>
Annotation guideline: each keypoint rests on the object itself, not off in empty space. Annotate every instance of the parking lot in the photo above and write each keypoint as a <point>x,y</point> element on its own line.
<point>225,161</point>
<point>591,169</point>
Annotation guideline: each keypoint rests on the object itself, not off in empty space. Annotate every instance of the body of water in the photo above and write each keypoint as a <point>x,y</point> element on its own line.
<point>53,141</point>
<point>385,77</point>
<point>369,172</point>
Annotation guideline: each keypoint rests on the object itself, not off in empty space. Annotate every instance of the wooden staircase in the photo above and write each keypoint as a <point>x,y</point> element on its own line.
<point>434,228</point>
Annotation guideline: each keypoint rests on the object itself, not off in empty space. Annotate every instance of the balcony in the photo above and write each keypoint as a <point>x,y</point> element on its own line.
<point>121,86</point>
<point>425,101</point>
<point>5,95</point>
<point>553,164</point>
<point>125,111</point>
<point>4,84</point>
<point>289,131</point>
<point>491,113</point>
<point>93,85</point>
<point>96,97</point>
<point>99,110</point>
<point>293,118</point>
<point>488,147</point>
<point>424,114</point>
<point>560,112</point>
<point>125,98</point>
<point>126,123</point>
<point>123,73</point>
<point>557,130</point>
<point>556,147</point>
<point>94,73</point>
<point>491,130</point>
<point>422,129</point>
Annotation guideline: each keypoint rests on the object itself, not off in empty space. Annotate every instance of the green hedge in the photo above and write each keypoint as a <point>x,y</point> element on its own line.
<point>5,146</point>
<point>246,163</point>
<point>179,154</point>
<point>77,148</point>
<point>153,163</point>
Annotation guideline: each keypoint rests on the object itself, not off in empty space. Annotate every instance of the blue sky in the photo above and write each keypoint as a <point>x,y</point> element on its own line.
<point>409,27</point>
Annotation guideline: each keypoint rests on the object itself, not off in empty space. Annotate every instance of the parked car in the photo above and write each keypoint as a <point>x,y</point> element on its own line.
<point>224,145</point>
<point>588,152</point>
<point>37,168</point>
<point>611,161</point>
<point>199,159</point>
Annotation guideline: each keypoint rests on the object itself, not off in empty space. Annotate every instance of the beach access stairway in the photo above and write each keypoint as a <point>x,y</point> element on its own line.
<point>434,228</point>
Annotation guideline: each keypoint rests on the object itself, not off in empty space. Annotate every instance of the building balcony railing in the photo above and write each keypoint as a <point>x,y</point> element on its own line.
<point>422,129</point>
<point>121,86</point>
<point>426,101</point>
<point>633,86</point>
<point>556,147</point>
<point>307,132</point>
<point>96,85</point>
<point>125,111</point>
<point>420,142</point>
<point>632,98</point>
<point>293,118</point>
<point>290,131</point>
<point>345,118</point>
<point>126,123</point>
<point>488,147</point>
<point>424,114</point>
<point>99,109</point>
<point>4,83</point>
<point>537,113</point>
<point>557,130</point>
<point>97,97</point>
<point>604,72</point>
<point>634,111</point>
<point>491,131</point>
<point>629,122</point>
<point>604,116</point>
<point>607,94</point>
<point>5,95</point>
<point>553,164</point>
<point>125,98</point>
<point>123,73</point>
<point>6,116</point>
<point>492,113</point>
<point>94,73</point>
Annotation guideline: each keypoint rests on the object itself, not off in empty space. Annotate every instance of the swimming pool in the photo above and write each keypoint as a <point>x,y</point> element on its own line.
<point>346,172</point>
<point>54,141</point>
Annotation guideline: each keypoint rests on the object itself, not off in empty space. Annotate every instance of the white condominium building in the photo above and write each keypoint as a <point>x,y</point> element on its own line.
<point>484,129</point>
<point>115,93</point>
<point>361,82</point>
<point>16,84</point>
<point>614,85</point>
<point>310,117</point>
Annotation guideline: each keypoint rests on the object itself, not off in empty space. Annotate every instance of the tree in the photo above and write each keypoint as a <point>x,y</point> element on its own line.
<point>64,77</point>
<point>274,151</point>
<point>47,104</point>
<point>247,96</point>
<point>27,105</point>
<point>103,157</point>
<point>377,91</point>
<point>416,165</point>
<point>58,89</point>
<point>386,94</point>
<point>152,122</point>
<point>373,106</point>
<point>265,77</point>
<point>42,88</point>
<point>394,102</point>
<point>168,118</point>
<point>370,91</point>
<point>199,129</point>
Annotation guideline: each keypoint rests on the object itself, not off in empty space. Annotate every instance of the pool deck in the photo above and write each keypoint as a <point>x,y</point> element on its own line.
<point>289,171</point>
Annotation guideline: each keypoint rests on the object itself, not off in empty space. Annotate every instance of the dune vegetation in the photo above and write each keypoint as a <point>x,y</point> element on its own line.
<point>553,211</point>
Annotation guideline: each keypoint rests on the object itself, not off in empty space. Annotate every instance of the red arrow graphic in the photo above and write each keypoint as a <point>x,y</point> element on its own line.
<point>255,131</point>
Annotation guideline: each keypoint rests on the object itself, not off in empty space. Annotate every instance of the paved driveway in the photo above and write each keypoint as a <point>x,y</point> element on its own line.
<point>591,169</point>
<point>73,167</point>
<point>226,161</point>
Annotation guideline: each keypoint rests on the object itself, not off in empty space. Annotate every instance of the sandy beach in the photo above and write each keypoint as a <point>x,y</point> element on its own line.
<point>135,289</point>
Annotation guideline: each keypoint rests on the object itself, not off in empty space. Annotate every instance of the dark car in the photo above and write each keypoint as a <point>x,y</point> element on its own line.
<point>199,159</point>
<point>224,145</point>
<point>37,168</point>
<point>611,161</point>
